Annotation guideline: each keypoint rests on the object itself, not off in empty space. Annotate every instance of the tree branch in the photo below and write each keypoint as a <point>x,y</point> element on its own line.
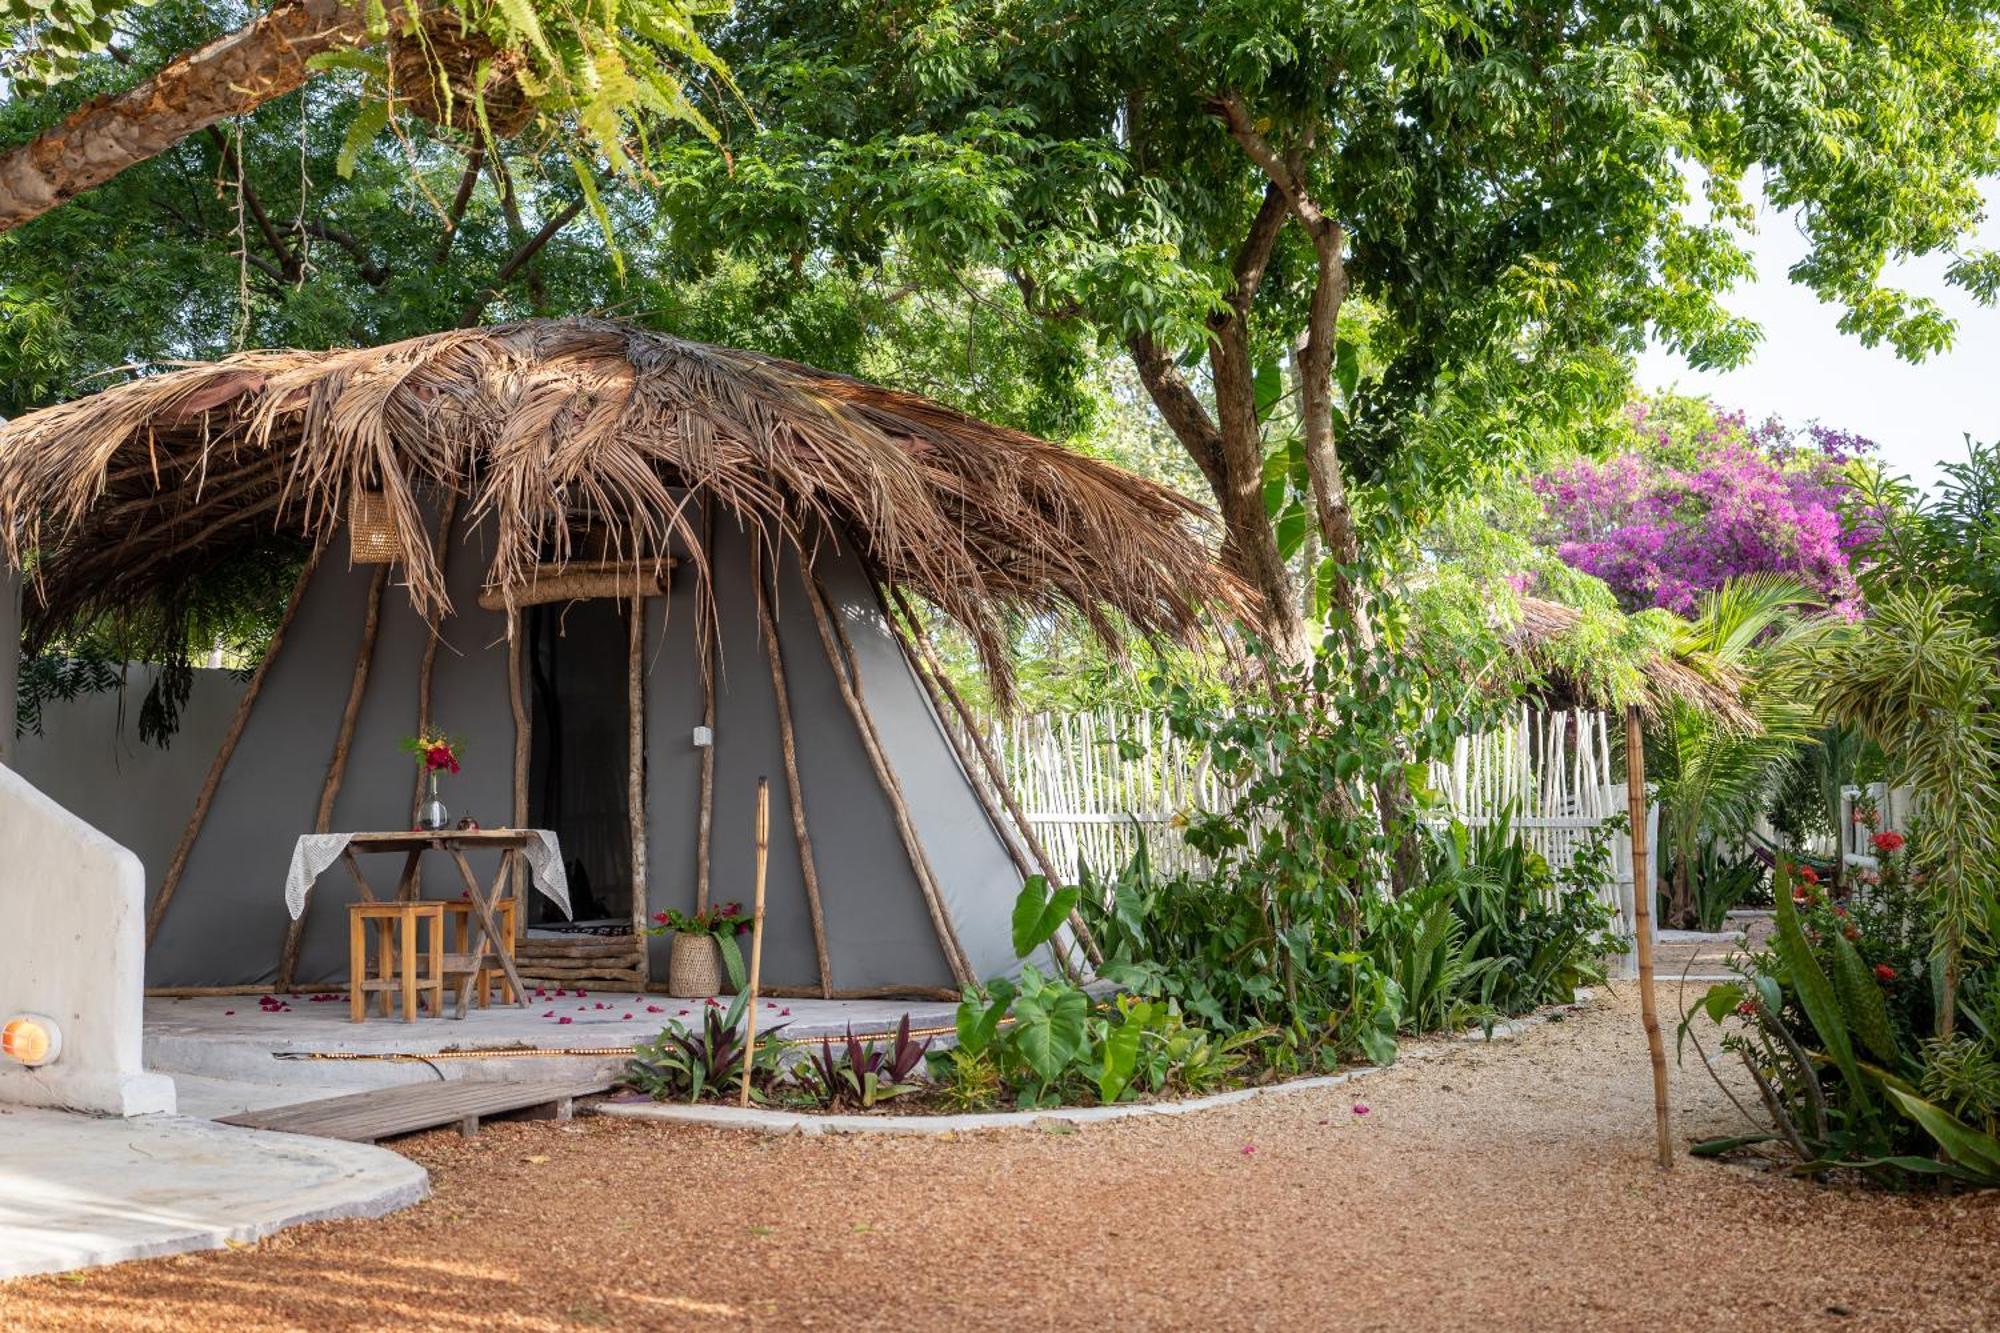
<point>1255,256</point>
<point>515,262</point>
<point>1180,407</point>
<point>254,206</point>
<point>456,214</point>
<point>372,273</point>
<point>230,76</point>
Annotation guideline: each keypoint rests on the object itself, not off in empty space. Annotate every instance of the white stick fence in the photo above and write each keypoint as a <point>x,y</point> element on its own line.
<point>1098,785</point>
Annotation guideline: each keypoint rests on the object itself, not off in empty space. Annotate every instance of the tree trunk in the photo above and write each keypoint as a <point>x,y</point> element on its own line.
<point>231,76</point>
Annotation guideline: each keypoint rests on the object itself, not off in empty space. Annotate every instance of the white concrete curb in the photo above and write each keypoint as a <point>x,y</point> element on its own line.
<point>765,1121</point>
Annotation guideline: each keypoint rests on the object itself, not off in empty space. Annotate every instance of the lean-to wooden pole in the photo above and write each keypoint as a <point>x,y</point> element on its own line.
<point>757,933</point>
<point>705,630</point>
<point>237,722</point>
<point>517,703</point>
<point>923,660</point>
<point>635,778</point>
<point>336,767</point>
<point>1642,919</point>
<point>427,668</point>
<point>920,865</point>
<point>794,789</point>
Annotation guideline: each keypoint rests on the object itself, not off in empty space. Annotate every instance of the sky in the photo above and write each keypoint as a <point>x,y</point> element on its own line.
<point>1807,370</point>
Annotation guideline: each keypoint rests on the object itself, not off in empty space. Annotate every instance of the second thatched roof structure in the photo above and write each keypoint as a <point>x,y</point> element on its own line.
<point>128,496</point>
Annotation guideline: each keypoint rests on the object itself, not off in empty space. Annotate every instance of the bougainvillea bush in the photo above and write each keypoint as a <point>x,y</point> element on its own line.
<point>1701,497</point>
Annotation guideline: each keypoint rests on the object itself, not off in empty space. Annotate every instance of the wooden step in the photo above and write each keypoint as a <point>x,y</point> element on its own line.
<point>364,1117</point>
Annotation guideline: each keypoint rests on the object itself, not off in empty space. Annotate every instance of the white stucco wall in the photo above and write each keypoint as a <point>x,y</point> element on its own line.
<point>72,946</point>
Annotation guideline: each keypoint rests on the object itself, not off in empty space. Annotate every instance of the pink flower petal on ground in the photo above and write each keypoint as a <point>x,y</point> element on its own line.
<point>227,1012</point>
<point>1359,1109</point>
<point>581,991</point>
<point>560,992</point>
<point>550,1014</point>
<point>654,1009</point>
<point>628,1016</point>
<point>1249,1150</point>
<point>683,1013</point>
<point>564,1019</point>
<point>784,1013</point>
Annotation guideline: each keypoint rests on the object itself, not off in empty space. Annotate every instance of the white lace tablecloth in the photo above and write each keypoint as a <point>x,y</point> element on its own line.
<point>316,851</point>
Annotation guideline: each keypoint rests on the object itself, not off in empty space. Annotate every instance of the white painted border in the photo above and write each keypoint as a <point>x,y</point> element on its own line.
<point>766,1121</point>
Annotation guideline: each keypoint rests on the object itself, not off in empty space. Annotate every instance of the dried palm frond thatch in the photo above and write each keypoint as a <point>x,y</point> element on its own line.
<point>117,499</point>
<point>1664,678</point>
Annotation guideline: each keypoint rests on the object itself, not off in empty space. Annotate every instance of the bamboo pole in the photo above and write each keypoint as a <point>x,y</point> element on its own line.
<point>230,738</point>
<point>920,866</point>
<point>336,768</point>
<point>757,932</point>
<point>1642,915</point>
<point>635,790</point>
<point>705,632</point>
<point>788,743</point>
<point>932,673</point>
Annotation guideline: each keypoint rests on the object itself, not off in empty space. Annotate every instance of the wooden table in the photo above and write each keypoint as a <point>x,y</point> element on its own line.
<point>483,946</point>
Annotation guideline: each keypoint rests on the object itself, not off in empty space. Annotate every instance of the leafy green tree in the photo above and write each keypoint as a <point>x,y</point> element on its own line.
<point>606,77</point>
<point>1433,233</point>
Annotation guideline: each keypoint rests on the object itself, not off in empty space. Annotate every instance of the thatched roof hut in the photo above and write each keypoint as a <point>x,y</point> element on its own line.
<point>649,569</point>
<point>129,495</point>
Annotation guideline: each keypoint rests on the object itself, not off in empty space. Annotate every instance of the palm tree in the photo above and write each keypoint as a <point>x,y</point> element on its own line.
<point>1718,770</point>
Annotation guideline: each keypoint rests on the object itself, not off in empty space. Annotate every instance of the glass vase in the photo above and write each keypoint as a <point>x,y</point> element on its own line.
<point>432,815</point>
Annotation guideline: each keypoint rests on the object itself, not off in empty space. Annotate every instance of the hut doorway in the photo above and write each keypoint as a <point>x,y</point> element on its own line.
<point>580,756</point>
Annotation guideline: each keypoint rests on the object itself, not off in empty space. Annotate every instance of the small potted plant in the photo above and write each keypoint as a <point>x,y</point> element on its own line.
<point>437,753</point>
<point>703,949</point>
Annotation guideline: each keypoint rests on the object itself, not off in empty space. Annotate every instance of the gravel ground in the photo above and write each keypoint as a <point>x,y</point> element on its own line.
<point>1488,1187</point>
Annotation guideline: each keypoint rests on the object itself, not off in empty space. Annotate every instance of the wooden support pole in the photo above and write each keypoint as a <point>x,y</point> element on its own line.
<point>705,632</point>
<point>428,667</point>
<point>788,743</point>
<point>635,788</point>
<point>923,660</point>
<point>920,865</point>
<point>757,933</point>
<point>523,739</point>
<point>336,767</point>
<point>1642,917</point>
<point>237,722</point>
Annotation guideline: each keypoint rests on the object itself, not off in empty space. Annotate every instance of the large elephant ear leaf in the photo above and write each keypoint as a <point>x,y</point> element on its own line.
<point>1815,992</point>
<point>1038,914</point>
<point>1861,999</point>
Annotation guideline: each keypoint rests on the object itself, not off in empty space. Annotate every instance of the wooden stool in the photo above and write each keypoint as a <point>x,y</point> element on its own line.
<point>397,949</point>
<point>458,917</point>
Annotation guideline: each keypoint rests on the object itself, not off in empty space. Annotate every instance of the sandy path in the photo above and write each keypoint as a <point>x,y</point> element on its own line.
<point>1493,1187</point>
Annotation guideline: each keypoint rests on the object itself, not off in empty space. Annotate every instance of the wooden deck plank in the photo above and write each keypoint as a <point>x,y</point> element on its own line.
<point>384,1112</point>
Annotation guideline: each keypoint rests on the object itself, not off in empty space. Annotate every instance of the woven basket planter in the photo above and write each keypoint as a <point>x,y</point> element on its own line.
<point>694,967</point>
<point>441,75</point>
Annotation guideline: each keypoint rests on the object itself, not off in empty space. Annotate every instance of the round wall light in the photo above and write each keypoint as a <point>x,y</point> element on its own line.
<point>31,1039</point>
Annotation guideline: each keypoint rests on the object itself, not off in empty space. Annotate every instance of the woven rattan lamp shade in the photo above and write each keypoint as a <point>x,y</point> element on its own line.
<point>371,530</point>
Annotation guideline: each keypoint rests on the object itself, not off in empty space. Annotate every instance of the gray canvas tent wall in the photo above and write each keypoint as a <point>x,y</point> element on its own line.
<point>725,462</point>
<point>227,920</point>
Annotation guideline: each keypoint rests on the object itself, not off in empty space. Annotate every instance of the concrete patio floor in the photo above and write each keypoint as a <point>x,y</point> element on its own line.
<point>230,1054</point>
<point>78,1191</point>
